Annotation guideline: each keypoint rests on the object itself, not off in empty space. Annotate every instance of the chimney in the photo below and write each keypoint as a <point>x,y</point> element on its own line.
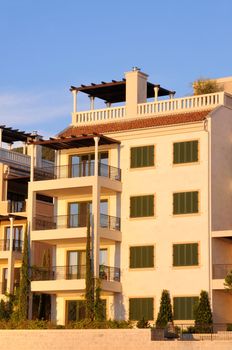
<point>136,90</point>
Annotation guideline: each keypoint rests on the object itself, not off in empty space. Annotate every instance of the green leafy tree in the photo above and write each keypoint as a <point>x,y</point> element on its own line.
<point>89,280</point>
<point>205,86</point>
<point>203,313</point>
<point>24,287</point>
<point>165,312</point>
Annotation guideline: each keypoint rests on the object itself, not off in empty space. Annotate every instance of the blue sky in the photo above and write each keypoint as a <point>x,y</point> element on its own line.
<point>48,45</point>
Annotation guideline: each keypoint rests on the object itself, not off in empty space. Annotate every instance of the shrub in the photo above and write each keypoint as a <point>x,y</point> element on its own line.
<point>143,324</point>
<point>203,314</point>
<point>89,324</point>
<point>165,311</point>
<point>205,86</point>
<point>229,327</point>
<point>228,281</point>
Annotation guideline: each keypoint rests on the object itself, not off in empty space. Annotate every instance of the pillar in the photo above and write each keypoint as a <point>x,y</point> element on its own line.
<point>74,92</point>
<point>136,91</point>
<point>32,162</point>
<point>11,260</point>
<point>91,102</point>
<point>156,92</point>
<point>96,213</point>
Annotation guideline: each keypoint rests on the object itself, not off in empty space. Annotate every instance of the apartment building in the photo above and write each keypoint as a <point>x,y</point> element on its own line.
<point>156,173</point>
<point>14,177</point>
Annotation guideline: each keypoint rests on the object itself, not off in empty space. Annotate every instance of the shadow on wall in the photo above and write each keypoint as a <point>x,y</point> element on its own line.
<point>118,308</point>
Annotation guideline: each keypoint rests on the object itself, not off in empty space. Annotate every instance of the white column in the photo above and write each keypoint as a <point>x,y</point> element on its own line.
<point>74,92</point>
<point>10,277</point>
<point>24,148</point>
<point>1,137</point>
<point>91,102</point>
<point>108,104</point>
<point>156,92</point>
<point>172,95</point>
<point>96,213</point>
<point>32,163</point>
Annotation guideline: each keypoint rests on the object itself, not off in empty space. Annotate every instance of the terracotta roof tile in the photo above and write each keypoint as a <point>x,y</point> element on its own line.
<point>141,123</point>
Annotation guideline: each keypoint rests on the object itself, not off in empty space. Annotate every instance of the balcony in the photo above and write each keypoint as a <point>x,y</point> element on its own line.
<point>73,272</point>
<point>72,278</point>
<point>11,157</point>
<point>5,245</point>
<point>17,206</point>
<point>157,108</point>
<point>84,169</point>
<point>73,221</point>
<point>220,271</point>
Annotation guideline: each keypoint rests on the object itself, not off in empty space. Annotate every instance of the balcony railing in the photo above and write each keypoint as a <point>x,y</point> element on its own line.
<point>17,245</point>
<point>77,170</point>
<point>14,157</point>
<point>220,271</point>
<point>168,106</point>
<point>110,222</point>
<point>73,220</point>
<point>17,206</point>
<point>72,272</point>
<point>109,273</point>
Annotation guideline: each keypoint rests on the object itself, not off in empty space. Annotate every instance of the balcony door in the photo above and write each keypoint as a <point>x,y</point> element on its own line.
<point>78,213</point>
<point>17,238</point>
<point>83,164</point>
<point>76,266</point>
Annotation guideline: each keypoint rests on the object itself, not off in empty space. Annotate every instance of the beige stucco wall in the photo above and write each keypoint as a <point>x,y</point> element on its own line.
<point>221,171</point>
<point>120,339</point>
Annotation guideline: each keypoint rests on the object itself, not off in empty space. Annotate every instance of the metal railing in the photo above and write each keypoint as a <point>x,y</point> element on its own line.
<point>77,170</point>
<point>220,271</point>
<point>110,222</point>
<point>73,220</point>
<point>190,332</point>
<point>72,272</point>
<point>17,245</point>
<point>109,273</point>
<point>17,206</point>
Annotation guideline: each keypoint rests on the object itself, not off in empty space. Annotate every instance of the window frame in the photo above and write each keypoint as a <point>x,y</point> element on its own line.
<point>142,267</point>
<point>143,166</point>
<point>137,298</point>
<point>186,266</point>
<point>179,297</point>
<point>186,213</point>
<point>190,162</point>
<point>142,217</point>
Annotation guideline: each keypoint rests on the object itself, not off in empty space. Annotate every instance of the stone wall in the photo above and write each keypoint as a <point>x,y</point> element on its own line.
<point>138,339</point>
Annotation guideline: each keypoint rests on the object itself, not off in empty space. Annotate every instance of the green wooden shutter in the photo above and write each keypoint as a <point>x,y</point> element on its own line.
<point>185,202</point>
<point>142,156</point>
<point>185,152</point>
<point>141,307</point>
<point>142,206</point>
<point>142,257</point>
<point>184,307</point>
<point>185,254</point>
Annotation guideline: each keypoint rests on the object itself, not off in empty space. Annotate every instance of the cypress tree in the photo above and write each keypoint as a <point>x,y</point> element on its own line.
<point>89,280</point>
<point>165,312</point>
<point>24,287</point>
<point>44,299</point>
<point>99,313</point>
<point>203,313</point>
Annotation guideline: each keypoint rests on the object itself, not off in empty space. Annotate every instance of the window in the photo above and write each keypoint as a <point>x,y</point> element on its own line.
<point>185,203</point>
<point>83,164</point>
<point>185,254</point>
<point>184,307</point>
<point>17,238</point>
<point>76,310</point>
<point>78,213</point>
<point>142,206</point>
<point>142,156</point>
<point>185,152</point>
<point>141,256</point>
<point>141,307</point>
